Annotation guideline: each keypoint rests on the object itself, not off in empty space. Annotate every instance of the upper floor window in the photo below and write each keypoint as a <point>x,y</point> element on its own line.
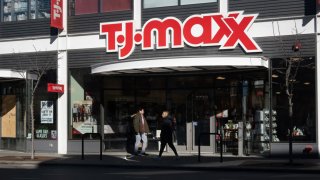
<point>157,3</point>
<point>116,5</point>
<point>86,7</point>
<point>185,2</point>
<point>163,3</point>
<point>79,7</point>
<point>19,10</point>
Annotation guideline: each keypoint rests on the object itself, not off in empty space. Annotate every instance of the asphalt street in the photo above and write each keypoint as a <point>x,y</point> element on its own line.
<point>33,172</point>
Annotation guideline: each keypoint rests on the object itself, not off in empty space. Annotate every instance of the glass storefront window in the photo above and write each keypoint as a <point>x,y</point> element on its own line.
<point>116,5</point>
<point>85,102</point>
<point>194,101</point>
<point>42,9</point>
<point>157,3</point>
<point>304,116</point>
<point>15,10</point>
<point>45,108</point>
<point>185,2</point>
<point>19,10</point>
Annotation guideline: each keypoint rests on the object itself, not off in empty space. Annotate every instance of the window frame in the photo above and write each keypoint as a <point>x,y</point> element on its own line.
<point>72,12</point>
<point>179,4</point>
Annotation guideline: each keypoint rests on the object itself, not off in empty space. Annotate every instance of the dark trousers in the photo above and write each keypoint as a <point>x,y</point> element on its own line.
<point>163,145</point>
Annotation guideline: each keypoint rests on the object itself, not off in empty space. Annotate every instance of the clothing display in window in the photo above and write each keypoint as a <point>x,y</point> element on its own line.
<point>19,10</point>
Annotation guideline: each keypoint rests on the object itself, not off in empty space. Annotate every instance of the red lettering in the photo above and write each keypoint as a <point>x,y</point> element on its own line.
<point>162,28</point>
<point>239,34</point>
<point>128,47</point>
<point>231,31</point>
<point>189,38</point>
<point>223,30</point>
<point>110,29</point>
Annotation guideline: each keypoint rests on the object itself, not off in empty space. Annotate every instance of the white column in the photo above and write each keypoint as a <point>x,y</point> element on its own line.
<point>62,78</point>
<point>137,13</point>
<point>223,6</point>
<point>317,59</point>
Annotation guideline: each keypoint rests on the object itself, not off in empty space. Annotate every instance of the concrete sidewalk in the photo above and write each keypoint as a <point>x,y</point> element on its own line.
<point>187,161</point>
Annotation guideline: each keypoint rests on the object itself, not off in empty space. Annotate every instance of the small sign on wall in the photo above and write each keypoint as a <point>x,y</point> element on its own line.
<point>46,109</point>
<point>58,88</point>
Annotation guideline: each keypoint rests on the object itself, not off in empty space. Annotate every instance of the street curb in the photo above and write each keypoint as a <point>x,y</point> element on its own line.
<point>189,168</point>
<point>21,162</point>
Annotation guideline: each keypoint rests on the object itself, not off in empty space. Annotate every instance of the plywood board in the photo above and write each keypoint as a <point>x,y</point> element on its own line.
<point>8,117</point>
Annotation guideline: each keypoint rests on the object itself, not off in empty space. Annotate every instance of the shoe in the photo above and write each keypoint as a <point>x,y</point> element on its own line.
<point>157,158</point>
<point>143,154</point>
<point>177,158</point>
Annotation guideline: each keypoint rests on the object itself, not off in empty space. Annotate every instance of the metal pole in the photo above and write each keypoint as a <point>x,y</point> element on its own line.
<point>221,148</point>
<point>82,147</point>
<point>270,104</point>
<point>100,146</point>
<point>199,147</point>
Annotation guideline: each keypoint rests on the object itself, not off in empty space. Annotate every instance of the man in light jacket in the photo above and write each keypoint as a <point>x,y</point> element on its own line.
<point>141,129</point>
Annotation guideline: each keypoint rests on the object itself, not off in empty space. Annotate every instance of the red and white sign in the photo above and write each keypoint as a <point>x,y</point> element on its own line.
<point>57,14</point>
<point>59,88</point>
<point>197,30</point>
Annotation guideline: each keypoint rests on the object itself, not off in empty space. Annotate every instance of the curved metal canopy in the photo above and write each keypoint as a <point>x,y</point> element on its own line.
<point>187,64</point>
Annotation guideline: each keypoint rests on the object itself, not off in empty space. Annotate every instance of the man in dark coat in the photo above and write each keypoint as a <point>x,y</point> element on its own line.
<point>166,133</point>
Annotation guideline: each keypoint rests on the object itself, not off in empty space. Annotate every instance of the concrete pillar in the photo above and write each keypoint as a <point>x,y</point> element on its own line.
<point>223,6</point>
<point>62,78</point>
<point>317,61</point>
<point>137,13</point>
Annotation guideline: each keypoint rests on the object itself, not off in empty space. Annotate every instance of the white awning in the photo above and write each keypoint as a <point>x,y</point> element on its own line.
<point>13,74</point>
<point>186,64</point>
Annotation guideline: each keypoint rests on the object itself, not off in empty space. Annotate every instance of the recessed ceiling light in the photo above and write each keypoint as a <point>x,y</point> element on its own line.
<point>306,83</point>
<point>275,76</point>
<point>278,92</point>
<point>221,78</point>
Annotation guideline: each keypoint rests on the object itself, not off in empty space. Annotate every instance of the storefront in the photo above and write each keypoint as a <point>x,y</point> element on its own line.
<point>216,65</point>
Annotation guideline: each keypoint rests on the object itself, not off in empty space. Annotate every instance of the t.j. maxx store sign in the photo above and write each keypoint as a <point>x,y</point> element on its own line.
<point>225,31</point>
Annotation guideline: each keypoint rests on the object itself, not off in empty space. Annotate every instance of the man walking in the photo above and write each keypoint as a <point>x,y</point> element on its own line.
<point>141,129</point>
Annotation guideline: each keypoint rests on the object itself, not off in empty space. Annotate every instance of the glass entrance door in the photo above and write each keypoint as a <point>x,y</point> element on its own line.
<point>201,111</point>
<point>192,110</point>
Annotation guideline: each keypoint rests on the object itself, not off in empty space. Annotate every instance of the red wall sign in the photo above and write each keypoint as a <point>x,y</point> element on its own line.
<point>226,31</point>
<point>57,14</point>
<point>59,88</point>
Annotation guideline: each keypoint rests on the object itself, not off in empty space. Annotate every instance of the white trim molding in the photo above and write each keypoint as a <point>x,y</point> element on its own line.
<point>8,73</point>
<point>182,63</point>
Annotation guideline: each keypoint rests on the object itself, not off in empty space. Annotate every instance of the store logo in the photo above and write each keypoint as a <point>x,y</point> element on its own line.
<point>56,14</point>
<point>197,30</point>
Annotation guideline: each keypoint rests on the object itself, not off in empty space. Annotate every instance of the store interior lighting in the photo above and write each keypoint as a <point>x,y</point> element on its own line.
<point>221,78</point>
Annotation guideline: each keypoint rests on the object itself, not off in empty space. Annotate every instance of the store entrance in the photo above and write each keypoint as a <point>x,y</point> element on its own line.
<point>192,109</point>
<point>194,102</point>
<point>200,107</point>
